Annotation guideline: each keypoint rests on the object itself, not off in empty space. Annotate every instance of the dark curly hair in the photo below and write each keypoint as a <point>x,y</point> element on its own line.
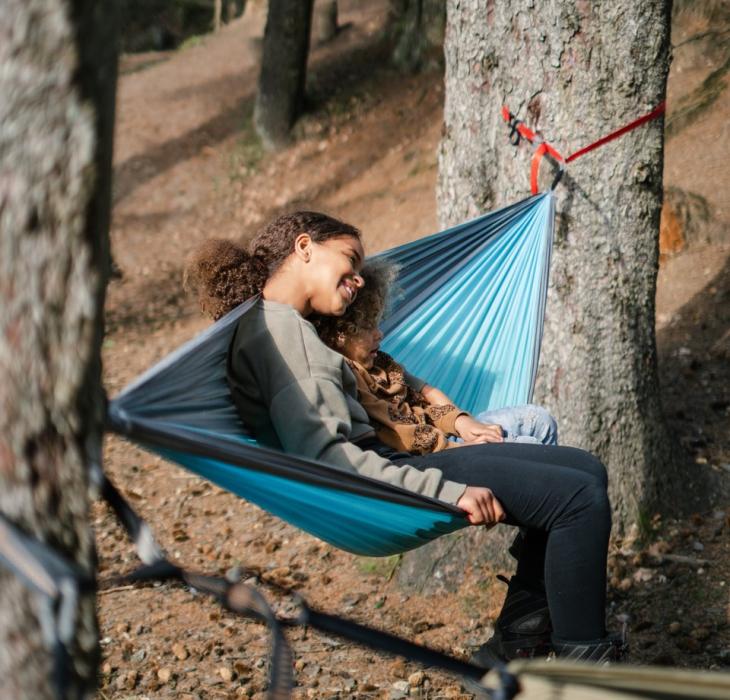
<point>372,301</point>
<point>224,274</point>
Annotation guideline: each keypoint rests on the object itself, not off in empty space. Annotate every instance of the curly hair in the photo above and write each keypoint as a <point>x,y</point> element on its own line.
<point>224,274</point>
<point>371,303</point>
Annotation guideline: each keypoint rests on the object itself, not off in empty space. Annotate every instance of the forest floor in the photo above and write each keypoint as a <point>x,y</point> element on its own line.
<point>187,166</point>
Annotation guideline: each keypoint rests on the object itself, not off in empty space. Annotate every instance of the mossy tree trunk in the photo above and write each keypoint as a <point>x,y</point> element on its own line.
<point>280,96</point>
<point>575,71</point>
<point>57,81</point>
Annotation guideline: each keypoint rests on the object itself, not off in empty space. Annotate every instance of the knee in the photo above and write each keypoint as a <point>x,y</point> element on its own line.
<point>594,502</point>
<point>544,423</point>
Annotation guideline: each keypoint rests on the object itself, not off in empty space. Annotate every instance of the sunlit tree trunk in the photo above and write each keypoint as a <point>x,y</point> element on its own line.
<point>576,71</point>
<point>57,81</point>
<point>280,96</point>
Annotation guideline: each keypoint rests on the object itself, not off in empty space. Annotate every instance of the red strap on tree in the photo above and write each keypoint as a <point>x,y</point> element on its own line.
<point>656,112</point>
<point>518,130</point>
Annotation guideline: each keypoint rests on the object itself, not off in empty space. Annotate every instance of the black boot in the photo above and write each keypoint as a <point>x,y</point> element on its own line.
<point>522,629</point>
<point>611,648</point>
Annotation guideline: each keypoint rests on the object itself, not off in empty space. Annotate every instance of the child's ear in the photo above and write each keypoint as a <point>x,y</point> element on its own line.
<point>340,340</point>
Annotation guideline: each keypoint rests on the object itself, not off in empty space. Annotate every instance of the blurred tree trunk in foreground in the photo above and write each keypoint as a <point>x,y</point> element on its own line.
<point>57,81</point>
<point>280,95</point>
<point>575,71</point>
<point>418,27</point>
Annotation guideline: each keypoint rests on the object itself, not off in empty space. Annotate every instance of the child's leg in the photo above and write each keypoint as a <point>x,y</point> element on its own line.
<point>528,423</point>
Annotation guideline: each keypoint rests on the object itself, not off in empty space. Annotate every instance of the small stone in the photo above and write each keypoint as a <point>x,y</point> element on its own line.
<point>698,546</point>
<point>242,668</point>
<point>226,674</point>
<point>625,584</point>
<point>674,627</point>
<point>398,668</point>
<point>128,680</point>
<point>416,679</point>
<point>180,652</point>
<point>399,690</point>
<point>138,656</point>
<point>299,665</point>
<point>643,575</point>
<point>164,674</point>
<point>107,668</point>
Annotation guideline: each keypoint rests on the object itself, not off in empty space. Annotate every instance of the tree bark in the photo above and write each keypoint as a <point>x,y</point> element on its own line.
<point>324,21</point>
<point>280,96</point>
<point>57,78</point>
<point>575,71</point>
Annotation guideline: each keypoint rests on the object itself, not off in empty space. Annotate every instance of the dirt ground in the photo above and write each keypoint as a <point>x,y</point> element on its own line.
<point>187,167</point>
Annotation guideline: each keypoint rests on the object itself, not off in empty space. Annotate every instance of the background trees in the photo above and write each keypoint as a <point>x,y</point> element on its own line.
<point>280,95</point>
<point>57,81</point>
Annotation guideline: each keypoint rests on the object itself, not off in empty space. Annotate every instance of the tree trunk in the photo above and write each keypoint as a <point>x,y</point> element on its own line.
<point>418,26</point>
<point>280,94</point>
<point>575,71</point>
<point>584,69</point>
<point>57,79</point>
<point>324,21</point>
<point>217,14</point>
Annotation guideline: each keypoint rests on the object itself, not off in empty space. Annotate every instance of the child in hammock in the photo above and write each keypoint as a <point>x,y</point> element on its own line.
<point>408,414</point>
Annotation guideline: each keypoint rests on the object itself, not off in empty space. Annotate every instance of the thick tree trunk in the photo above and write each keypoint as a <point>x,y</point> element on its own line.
<point>575,71</point>
<point>280,94</point>
<point>57,81</point>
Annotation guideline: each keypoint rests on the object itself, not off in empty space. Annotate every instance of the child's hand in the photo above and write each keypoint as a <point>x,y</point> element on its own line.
<point>473,432</point>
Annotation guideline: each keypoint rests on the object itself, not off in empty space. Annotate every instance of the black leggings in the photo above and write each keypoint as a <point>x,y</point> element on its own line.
<point>558,495</point>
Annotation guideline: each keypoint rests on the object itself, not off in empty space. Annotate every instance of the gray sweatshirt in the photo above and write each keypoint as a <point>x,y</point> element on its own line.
<point>296,394</point>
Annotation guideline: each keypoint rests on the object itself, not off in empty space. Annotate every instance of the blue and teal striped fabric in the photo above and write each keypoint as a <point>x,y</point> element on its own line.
<point>469,321</point>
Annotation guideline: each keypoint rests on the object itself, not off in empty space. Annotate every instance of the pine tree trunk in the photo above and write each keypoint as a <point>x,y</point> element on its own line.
<point>575,71</point>
<point>57,79</point>
<point>280,95</point>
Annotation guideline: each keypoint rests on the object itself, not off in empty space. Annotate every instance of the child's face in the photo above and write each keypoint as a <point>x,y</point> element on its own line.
<point>363,345</point>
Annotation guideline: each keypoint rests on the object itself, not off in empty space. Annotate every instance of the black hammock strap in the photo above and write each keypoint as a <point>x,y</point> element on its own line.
<point>245,600</point>
<point>57,584</point>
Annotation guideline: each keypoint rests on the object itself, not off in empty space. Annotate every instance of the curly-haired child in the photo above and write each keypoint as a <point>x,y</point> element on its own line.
<point>407,413</point>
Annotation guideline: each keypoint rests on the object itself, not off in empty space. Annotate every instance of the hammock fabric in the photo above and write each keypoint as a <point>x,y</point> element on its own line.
<point>469,321</point>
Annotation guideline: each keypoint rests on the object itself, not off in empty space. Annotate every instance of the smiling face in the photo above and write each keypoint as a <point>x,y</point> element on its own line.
<point>362,345</point>
<point>332,272</point>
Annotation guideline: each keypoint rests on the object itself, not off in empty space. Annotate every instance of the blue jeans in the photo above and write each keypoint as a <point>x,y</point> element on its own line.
<point>527,424</point>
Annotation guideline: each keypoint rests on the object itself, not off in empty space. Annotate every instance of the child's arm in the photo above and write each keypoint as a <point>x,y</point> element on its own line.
<point>435,396</point>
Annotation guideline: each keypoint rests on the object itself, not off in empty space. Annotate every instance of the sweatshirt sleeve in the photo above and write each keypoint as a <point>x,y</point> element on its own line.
<point>444,417</point>
<point>312,419</point>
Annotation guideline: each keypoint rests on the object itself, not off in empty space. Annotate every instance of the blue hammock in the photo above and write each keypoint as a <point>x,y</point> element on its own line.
<point>469,321</point>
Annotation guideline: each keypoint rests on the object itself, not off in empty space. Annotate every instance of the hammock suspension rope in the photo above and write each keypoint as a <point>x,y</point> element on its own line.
<point>519,130</point>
